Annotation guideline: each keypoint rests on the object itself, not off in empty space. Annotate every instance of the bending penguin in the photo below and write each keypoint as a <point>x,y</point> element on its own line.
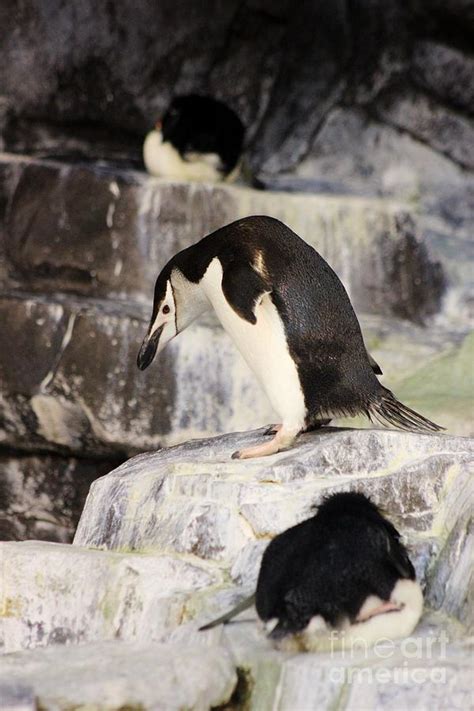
<point>342,576</point>
<point>198,139</point>
<point>290,317</point>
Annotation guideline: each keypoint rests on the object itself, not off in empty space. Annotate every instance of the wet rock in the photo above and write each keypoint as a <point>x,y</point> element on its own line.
<point>74,386</point>
<point>202,521</point>
<point>42,496</point>
<point>120,675</point>
<point>114,70</point>
<point>54,240</point>
<point>229,503</point>
<point>445,71</point>
<point>126,596</point>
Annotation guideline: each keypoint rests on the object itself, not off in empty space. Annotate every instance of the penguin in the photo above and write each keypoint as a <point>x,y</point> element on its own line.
<point>290,317</point>
<point>198,139</point>
<point>342,576</point>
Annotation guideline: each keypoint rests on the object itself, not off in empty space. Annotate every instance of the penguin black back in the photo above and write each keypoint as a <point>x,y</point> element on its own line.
<point>201,124</point>
<point>330,564</point>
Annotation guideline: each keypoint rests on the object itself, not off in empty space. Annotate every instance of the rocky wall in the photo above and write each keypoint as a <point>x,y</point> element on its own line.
<point>172,539</point>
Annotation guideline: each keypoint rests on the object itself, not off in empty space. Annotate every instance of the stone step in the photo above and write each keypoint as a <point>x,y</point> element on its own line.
<point>73,386</point>
<point>193,498</point>
<point>54,593</point>
<point>199,522</point>
<point>99,233</point>
<point>42,495</point>
<point>114,676</point>
<point>129,596</point>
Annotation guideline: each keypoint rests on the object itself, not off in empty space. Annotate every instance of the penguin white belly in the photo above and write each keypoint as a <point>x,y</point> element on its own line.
<point>164,161</point>
<point>264,347</point>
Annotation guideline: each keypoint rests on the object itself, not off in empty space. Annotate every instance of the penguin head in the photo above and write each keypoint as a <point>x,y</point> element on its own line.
<point>177,302</point>
<point>163,324</point>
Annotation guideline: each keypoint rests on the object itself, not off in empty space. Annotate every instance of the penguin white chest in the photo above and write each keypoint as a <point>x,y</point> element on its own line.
<point>164,161</point>
<point>264,347</point>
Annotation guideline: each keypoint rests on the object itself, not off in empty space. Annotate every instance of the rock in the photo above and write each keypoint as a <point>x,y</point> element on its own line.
<point>117,249</point>
<point>94,93</point>
<point>151,597</point>
<point>78,389</point>
<point>199,522</point>
<point>149,497</point>
<point>127,596</point>
<point>42,496</point>
<point>444,130</point>
<point>445,71</point>
<point>17,697</point>
<point>115,676</point>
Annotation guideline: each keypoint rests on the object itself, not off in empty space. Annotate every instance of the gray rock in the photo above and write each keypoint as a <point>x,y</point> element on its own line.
<point>149,498</point>
<point>202,521</point>
<point>116,249</point>
<point>113,71</point>
<point>420,116</point>
<point>17,697</point>
<point>42,496</point>
<point>55,594</point>
<point>446,71</point>
<point>77,388</point>
<point>114,676</point>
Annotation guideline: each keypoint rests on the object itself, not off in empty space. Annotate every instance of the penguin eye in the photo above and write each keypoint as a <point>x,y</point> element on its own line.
<point>166,309</point>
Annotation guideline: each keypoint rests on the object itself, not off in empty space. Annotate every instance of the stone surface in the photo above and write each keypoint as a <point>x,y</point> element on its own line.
<point>194,498</point>
<point>98,89</point>
<point>199,522</point>
<point>113,676</point>
<point>54,594</point>
<point>117,248</point>
<point>41,496</point>
<point>77,388</point>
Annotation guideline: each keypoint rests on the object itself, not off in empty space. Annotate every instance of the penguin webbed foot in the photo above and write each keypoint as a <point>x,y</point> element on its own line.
<point>380,610</point>
<point>284,438</point>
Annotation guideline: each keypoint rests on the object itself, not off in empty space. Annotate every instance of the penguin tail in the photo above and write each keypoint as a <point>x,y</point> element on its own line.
<point>387,410</point>
<point>223,619</point>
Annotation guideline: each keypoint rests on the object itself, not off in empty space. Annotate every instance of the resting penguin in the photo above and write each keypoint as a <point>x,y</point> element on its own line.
<point>341,576</point>
<point>290,317</point>
<point>198,139</point>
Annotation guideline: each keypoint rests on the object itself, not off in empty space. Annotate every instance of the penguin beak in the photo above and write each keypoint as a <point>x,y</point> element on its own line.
<point>148,349</point>
<point>158,126</point>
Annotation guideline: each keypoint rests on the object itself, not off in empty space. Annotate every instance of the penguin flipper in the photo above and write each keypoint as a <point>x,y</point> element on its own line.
<point>223,619</point>
<point>242,288</point>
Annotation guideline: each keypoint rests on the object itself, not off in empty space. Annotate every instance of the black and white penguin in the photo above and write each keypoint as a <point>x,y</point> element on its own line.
<point>290,317</point>
<point>198,139</point>
<point>343,575</point>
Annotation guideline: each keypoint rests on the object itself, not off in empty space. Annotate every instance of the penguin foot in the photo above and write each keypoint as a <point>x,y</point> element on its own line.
<point>282,440</point>
<point>380,610</point>
<point>272,430</point>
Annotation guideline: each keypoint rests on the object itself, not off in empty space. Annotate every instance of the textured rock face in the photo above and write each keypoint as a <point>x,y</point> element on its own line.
<point>102,235</point>
<point>42,496</point>
<point>74,387</point>
<point>169,677</point>
<point>182,532</point>
<point>160,502</point>
<point>115,69</point>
